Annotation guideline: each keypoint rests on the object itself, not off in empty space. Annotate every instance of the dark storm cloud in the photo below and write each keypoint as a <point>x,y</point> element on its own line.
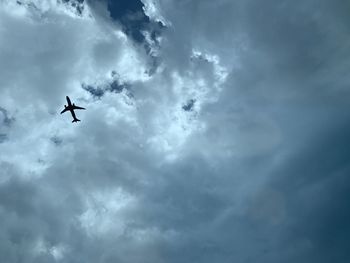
<point>291,71</point>
<point>133,19</point>
<point>315,184</point>
<point>96,92</point>
<point>7,121</point>
<point>114,86</point>
<point>189,105</point>
<point>30,5</point>
<point>78,5</point>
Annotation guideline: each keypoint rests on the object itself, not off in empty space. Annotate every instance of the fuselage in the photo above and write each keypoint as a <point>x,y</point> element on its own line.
<point>68,101</point>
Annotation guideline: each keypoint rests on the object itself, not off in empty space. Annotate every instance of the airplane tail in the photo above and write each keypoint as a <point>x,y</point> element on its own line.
<point>75,120</point>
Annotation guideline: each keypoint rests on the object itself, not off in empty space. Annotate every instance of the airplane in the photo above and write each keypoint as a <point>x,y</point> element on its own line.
<point>71,107</point>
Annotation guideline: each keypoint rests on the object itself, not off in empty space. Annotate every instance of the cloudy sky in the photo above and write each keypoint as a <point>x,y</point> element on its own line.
<point>215,131</point>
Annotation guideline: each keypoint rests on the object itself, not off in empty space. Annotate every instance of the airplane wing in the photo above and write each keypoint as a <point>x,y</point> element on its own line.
<point>64,110</point>
<point>78,108</point>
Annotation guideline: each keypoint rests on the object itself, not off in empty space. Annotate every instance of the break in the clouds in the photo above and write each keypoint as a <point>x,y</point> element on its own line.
<point>215,131</point>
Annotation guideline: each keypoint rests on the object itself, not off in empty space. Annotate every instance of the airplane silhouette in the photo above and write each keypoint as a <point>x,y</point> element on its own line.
<point>71,107</point>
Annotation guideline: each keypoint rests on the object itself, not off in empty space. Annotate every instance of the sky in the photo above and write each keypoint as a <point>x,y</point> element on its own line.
<point>214,131</point>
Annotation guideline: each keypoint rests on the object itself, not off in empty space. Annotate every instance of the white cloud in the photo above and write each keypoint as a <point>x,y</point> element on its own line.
<point>104,213</point>
<point>153,11</point>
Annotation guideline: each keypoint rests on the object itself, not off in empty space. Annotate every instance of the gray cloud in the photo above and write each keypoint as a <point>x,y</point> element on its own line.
<point>234,149</point>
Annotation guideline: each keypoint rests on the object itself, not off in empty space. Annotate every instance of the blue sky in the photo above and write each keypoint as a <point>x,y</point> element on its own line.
<point>215,131</point>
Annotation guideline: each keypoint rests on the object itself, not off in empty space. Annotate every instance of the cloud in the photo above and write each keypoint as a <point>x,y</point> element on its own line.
<point>225,139</point>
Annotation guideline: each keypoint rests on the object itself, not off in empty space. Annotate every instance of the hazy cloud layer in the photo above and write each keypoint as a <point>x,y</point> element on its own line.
<point>214,131</point>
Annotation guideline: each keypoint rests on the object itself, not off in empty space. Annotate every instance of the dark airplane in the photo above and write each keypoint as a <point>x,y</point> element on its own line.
<point>71,107</point>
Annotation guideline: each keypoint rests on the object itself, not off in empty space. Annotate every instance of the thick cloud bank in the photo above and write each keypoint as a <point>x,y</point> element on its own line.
<point>215,131</point>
